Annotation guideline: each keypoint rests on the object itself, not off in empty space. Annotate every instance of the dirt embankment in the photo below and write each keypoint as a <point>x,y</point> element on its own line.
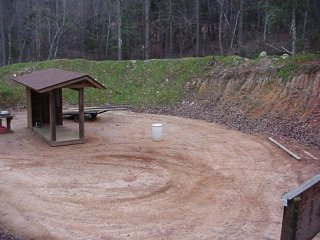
<point>253,98</point>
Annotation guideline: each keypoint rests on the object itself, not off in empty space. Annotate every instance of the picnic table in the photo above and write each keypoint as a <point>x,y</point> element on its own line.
<point>91,112</point>
<point>88,112</point>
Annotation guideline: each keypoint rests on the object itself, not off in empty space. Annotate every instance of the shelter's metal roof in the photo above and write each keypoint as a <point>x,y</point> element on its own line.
<point>52,78</point>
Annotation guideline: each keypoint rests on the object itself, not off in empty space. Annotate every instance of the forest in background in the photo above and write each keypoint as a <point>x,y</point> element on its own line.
<point>35,30</point>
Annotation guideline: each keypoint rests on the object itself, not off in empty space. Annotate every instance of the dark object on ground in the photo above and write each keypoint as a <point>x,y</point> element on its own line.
<point>3,130</point>
<point>89,112</point>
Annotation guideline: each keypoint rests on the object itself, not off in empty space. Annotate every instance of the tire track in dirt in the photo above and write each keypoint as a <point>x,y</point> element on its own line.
<point>201,182</point>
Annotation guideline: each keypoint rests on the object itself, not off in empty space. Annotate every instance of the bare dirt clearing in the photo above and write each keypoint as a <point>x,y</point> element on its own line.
<point>201,182</point>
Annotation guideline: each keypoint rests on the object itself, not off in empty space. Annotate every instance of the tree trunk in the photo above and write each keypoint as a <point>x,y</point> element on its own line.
<point>9,46</point>
<point>37,37</point>
<point>220,27</point>
<point>10,39</point>
<point>170,30</point>
<point>119,30</point>
<point>108,36</point>
<point>293,29</point>
<point>305,24</point>
<point>241,20</point>
<point>234,32</point>
<point>3,36</point>
<point>147,30</point>
<point>22,49</point>
<point>265,22</point>
<point>197,13</point>
<point>54,43</point>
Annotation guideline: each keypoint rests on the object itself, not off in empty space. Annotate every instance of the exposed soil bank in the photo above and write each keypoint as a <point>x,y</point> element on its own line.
<point>251,97</point>
<point>201,182</point>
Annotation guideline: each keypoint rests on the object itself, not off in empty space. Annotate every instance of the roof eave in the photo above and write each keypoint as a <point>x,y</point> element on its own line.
<point>93,82</point>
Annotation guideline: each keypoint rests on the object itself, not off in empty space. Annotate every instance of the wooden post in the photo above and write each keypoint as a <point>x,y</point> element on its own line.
<point>9,123</point>
<point>59,113</point>
<point>81,113</point>
<point>290,219</point>
<point>53,115</point>
<point>29,108</point>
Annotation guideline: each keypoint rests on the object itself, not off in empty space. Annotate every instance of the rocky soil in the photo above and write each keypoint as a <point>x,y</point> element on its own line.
<point>6,235</point>
<point>253,99</point>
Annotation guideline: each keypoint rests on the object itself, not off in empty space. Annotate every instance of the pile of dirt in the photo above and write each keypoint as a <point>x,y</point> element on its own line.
<point>252,98</point>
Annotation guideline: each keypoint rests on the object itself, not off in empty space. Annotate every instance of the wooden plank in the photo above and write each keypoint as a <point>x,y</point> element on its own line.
<point>66,84</point>
<point>310,155</point>
<point>80,85</point>
<point>59,112</point>
<point>53,116</point>
<point>29,108</point>
<point>297,191</point>
<point>65,136</point>
<point>81,113</point>
<point>68,142</point>
<point>285,149</point>
<point>9,123</point>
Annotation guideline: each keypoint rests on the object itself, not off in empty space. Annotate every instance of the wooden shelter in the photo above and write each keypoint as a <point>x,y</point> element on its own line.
<point>44,103</point>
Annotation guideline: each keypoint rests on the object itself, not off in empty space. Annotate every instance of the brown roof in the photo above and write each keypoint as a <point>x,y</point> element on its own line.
<point>52,78</point>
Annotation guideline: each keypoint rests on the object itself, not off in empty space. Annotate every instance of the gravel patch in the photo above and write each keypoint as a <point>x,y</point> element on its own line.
<point>6,235</point>
<point>233,118</point>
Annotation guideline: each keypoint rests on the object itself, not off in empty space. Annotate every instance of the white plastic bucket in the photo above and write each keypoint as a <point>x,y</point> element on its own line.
<point>157,132</point>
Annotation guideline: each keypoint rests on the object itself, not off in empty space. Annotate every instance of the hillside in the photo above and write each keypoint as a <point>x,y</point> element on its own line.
<point>271,95</point>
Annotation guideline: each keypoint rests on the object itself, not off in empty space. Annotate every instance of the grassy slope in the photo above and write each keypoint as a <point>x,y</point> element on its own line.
<point>150,82</point>
<point>131,82</point>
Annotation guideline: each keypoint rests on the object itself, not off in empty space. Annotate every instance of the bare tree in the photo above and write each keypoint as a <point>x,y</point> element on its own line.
<point>265,21</point>
<point>221,2</point>
<point>305,19</point>
<point>147,29</point>
<point>234,32</point>
<point>10,21</point>
<point>107,24</point>
<point>293,28</point>
<point>197,13</point>
<point>3,38</point>
<point>170,29</point>
<point>33,30</point>
<point>54,42</point>
<point>119,32</point>
<point>241,21</point>
<point>108,36</point>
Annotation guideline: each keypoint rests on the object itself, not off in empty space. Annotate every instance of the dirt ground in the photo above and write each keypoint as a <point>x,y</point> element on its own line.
<point>201,182</point>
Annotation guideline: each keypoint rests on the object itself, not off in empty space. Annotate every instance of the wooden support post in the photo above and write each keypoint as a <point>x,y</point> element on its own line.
<point>9,123</point>
<point>53,115</point>
<point>81,113</point>
<point>29,108</point>
<point>290,220</point>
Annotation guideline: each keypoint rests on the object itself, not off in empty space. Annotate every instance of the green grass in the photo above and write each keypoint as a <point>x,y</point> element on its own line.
<point>149,82</point>
<point>152,82</point>
<point>229,60</point>
<point>287,71</point>
<point>289,66</point>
